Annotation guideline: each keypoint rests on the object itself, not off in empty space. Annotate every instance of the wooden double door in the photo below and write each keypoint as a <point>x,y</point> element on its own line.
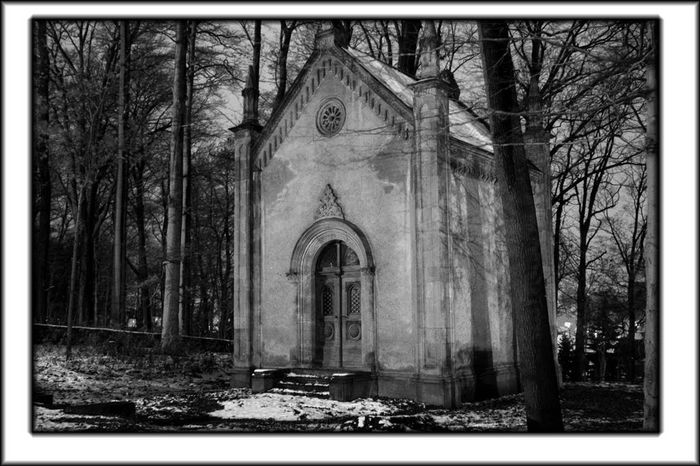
<point>339,307</point>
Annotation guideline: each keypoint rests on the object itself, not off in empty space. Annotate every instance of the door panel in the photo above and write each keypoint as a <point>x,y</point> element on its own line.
<point>339,316</point>
<point>351,345</point>
<point>330,338</point>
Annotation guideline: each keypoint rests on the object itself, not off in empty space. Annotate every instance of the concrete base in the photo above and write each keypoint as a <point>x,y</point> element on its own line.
<point>241,377</point>
<point>263,380</point>
<point>433,390</point>
<point>449,392</point>
<point>349,386</point>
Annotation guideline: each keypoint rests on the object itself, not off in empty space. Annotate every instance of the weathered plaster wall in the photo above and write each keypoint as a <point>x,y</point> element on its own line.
<point>483,333</point>
<point>367,166</point>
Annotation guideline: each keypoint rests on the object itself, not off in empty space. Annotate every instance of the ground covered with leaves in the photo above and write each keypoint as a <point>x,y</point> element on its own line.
<point>152,392</point>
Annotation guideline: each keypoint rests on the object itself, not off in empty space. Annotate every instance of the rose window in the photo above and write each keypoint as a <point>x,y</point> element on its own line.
<point>330,117</point>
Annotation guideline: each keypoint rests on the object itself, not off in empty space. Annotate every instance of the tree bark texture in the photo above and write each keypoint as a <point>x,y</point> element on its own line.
<point>171,300</point>
<point>41,216</point>
<point>257,48</point>
<point>72,291</point>
<point>408,42</point>
<point>535,352</point>
<point>285,40</point>
<point>144,294</point>
<point>651,350</point>
<point>118,310</point>
<point>185,310</point>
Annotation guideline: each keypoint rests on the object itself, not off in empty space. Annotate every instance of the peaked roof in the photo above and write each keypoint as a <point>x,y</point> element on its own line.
<point>464,125</point>
<point>389,84</point>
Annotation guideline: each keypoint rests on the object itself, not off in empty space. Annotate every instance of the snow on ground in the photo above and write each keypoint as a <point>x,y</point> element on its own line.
<point>192,393</point>
<point>55,420</point>
<point>281,407</point>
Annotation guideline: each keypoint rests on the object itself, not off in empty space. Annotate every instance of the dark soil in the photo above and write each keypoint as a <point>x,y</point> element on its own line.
<point>158,393</point>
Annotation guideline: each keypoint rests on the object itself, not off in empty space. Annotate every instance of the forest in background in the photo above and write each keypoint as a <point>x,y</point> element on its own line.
<point>103,135</point>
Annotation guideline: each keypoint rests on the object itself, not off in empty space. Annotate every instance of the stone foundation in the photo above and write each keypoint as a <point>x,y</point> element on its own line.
<point>433,390</point>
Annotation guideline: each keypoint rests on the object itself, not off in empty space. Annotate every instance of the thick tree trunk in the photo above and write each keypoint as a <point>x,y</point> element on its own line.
<point>118,311</point>
<point>408,42</point>
<point>171,301</point>
<point>257,47</point>
<point>343,32</point>
<point>537,151</point>
<point>42,205</point>
<point>536,357</point>
<point>185,310</point>
<point>651,358</point>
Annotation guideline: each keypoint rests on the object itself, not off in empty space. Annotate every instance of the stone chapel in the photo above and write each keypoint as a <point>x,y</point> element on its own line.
<point>369,242</point>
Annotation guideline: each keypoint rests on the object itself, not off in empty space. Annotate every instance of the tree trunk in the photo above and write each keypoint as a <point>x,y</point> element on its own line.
<point>257,47</point>
<point>164,189</point>
<point>408,42</point>
<point>185,310</point>
<point>118,310</point>
<point>86,302</point>
<point>72,298</point>
<point>343,32</point>
<point>632,329</point>
<point>171,301</point>
<point>387,40</point>
<point>651,358</point>
<point>42,204</point>
<point>144,295</point>
<point>537,151</point>
<point>535,353</point>
<point>285,40</point>
<point>580,361</point>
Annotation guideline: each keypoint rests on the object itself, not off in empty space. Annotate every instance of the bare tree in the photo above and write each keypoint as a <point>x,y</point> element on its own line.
<point>594,195</point>
<point>285,39</point>
<point>651,359</point>
<point>119,261</point>
<point>628,235</point>
<point>535,352</point>
<point>171,299</point>
<point>407,32</point>
<point>41,216</point>
<point>185,310</point>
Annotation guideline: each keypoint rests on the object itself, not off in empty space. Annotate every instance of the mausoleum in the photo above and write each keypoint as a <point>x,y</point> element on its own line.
<point>369,236</point>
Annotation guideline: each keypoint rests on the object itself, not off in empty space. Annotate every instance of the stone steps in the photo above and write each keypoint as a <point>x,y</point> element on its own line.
<point>304,383</point>
<point>336,384</point>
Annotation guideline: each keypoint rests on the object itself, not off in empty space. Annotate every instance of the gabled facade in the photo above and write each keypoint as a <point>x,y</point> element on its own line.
<point>369,234</point>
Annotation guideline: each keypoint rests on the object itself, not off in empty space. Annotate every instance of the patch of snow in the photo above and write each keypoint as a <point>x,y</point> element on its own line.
<point>466,127</point>
<point>286,407</point>
<point>395,80</point>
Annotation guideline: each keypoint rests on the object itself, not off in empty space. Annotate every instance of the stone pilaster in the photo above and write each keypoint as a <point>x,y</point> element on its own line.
<point>429,170</point>
<point>246,240</point>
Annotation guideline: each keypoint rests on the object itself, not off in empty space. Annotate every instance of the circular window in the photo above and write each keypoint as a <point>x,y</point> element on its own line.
<point>330,117</point>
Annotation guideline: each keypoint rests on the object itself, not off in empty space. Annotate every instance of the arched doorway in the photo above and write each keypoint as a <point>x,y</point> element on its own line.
<point>333,271</point>
<point>338,307</point>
